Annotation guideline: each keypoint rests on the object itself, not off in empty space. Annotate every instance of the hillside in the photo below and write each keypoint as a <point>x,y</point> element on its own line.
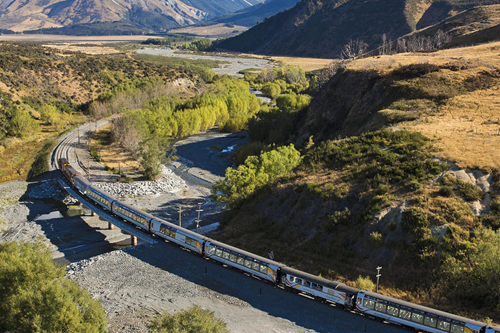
<point>154,15</point>
<point>249,17</point>
<point>44,91</point>
<point>321,28</point>
<point>470,27</point>
<point>384,181</point>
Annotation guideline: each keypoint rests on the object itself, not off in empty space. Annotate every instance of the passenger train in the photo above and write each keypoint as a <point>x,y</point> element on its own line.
<point>371,304</point>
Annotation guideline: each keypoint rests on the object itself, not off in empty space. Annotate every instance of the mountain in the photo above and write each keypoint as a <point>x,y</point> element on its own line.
<point>249,17</point>
<point>316,28</point>
<point>473,26</point>
<point>21,15</point>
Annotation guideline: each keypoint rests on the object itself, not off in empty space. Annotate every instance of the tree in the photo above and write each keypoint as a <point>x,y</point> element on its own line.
<point>152,155</point>
<point>353,49</point>
<point>37,297</point>
<point>22,123</point>
<point>192,320</point>
<point>257,171</point>
<point>476,277</point>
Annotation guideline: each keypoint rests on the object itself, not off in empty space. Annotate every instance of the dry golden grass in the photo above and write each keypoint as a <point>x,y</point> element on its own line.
<point>91,49</point>
<point>306,64</point>
<point>216,30</point>
<point>113,155</point>
<point>466,127</point>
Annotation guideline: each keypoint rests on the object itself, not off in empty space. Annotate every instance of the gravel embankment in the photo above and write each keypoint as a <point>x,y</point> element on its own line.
<point>169,182</point>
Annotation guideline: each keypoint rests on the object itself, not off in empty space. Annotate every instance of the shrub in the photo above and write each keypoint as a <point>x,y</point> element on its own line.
<point>416,220</point>
<point>446,191</point>
<point>36,297</point>
<point>414,185</point>
<point>365,283</point>
<point>376,239</point>
<point>194,319</point>
<point>470,191</point>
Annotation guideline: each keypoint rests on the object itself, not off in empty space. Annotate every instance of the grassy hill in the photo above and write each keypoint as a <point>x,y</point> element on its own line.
<point>44,91</point>
<point>384,183</point>
<point>321,28</point>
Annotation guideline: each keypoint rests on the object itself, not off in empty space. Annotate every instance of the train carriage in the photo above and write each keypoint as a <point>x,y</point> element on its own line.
<point>492,329</point>
<point>332,291</point>
<point>70,173</point>
<point>100,197</point>
<point>178,235</point>
<point>81,184</point>
<point>413,315</point>
<point>243,260</point>
<point>131,214</point>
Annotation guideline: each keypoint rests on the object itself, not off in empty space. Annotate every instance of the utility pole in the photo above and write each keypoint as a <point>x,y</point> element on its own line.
<point>378,276</point>
<point>198,220</point>
<point>78,135</point>
<point>88,168</point>
<point>180,216</point>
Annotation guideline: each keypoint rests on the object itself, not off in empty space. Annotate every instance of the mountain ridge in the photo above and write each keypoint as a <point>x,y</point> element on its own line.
<point>317,28</point>
<point>22,15</point>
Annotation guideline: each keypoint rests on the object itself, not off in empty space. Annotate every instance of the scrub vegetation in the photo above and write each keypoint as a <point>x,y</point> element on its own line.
<point>37,297</point>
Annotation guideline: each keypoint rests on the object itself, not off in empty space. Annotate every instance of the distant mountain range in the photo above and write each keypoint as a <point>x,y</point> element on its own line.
<point>153,15</point>
<point>320,28</point>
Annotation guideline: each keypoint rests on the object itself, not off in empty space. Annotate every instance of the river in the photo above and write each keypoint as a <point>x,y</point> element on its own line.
<point>232,65</point>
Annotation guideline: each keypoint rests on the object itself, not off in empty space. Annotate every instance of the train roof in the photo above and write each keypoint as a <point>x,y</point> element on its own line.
<point>83,180</point>
<point>424,308</point>
<point>133,209</point>
<point>246,253</point>
<point>184,230</point>
<point>102,192</point>
<point>319,280</point>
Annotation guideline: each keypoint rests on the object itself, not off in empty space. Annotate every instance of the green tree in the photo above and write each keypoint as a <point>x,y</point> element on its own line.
<point>152,155</point>
<point>36,296</point>
<point>192,320</point>
<point>257,171</point>
<point>22,123</point>
<point>476,277</point>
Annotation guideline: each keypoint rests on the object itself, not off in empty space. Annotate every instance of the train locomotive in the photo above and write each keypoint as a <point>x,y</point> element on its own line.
<point>371,304</point>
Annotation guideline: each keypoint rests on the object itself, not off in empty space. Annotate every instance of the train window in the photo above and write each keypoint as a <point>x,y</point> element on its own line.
<point>240,261</point>
<point>255,266</point>
<point>456,328</point>
<point>263,269</point>
<point>307,283</point>
<point>211,250</point>
<point>417,318</point>
<point>380,307</point>
<point>232,257</point>
<point>299,281</point>
<point>248,263</point>
<point>444,325</point>
<point>171,233</point>
<point>432,322</point>
<point>218,253</point>
<point>369,304</point>
<point>404,314</point>
<point>225,255</point>
<point>392,311</point>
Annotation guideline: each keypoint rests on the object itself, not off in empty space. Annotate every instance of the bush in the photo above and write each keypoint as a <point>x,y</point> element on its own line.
<point>365,283</point>
<point>446,191</point>
<point>192,320</point>
<point>36,296</point>
<point>470,191</point>
<point>416,220</point>
<point>376,239</point>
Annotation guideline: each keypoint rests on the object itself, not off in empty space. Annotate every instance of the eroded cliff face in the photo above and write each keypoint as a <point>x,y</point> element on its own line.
<point>347,106</point>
